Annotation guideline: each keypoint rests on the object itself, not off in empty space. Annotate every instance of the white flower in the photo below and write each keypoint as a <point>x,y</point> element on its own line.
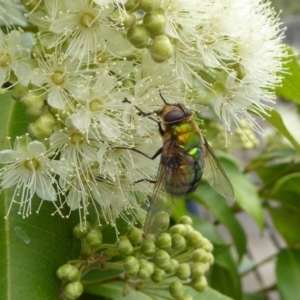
<point>30,171</point>
<point>101,108</point>
<point>60,80</point>
<point>84,27</point>
<point>13,58</point>
<point>12,13</point>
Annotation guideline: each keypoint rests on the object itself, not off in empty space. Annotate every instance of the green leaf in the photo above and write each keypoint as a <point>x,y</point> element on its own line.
<point>287,191</point>
<point>218,207</point>
<point>288,274</point>
<point>31,249</point>
<point>287,222</point>
<point>275,119</point>
<point>245,192</point>
<point>224,277</point>
<point>290,88</point>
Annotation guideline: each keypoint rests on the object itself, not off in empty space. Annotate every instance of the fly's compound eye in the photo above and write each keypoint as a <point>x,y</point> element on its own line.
<point>174,116</point>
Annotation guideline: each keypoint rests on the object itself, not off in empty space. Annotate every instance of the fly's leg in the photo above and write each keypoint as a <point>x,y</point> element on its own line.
<point>144,114</point>
<point>158,152</point>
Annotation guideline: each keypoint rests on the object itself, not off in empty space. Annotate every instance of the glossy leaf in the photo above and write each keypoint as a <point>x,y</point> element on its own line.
<point>245,192</point>
<point>31,249</point>
<point>275,119</point>
<point>290,88</point>
<point>287,222</point>
<point>288,274</point>
<point>218,207</point>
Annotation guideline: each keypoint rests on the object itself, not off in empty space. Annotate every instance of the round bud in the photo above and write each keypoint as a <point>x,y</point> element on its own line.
<point>183,271</point>
<point>33,103</point>
<point>94,238</point>
<point>194,239</point>
<point>67,272</point>
<point>187,297</point>
<point>43,126</point>
<point>158,275</point>
<point>122,18</point>
<point>73,290</point>
<point>146,270</point>
<point>155,22</point>
<point>200,255</point>
<point>131,5</point>
<point>138,36</point>
<point>176,289</point>
<point>134,234</point>
<point>164,241</point>
<point>131,265</point>
<point>128,83</point>
<point>198,269</point>
<point>124,246</point>
<point>148,248</point>
<point>173,266</point>
<point>80,231</point>
<point>211,258</point>
<point>178,242</point>
<point>207,245</point>
<point>148,5</point>
<point>186,220</point>
<point>162,259</point>
<point>199,284</point>
<point>19,91</point>
<point>163,219</point>
<point>188,228</point>
<point>161,48</point>
<point>178,229</point>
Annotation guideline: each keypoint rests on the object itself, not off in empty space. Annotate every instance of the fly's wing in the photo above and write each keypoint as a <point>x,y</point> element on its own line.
<point>160,207</point>
<point>215,175</point>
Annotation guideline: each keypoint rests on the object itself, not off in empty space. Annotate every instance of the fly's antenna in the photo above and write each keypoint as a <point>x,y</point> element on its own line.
<point>162,98</point>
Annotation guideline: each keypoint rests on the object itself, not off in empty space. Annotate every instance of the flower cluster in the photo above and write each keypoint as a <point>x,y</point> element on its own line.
<point>172,261</point>
<point>75,61</point>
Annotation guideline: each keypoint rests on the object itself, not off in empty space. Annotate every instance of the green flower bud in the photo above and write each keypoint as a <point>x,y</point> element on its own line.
<point>34,104</point>
<point>161,48</point>
<point>148,5</point>
<point>158,275</point>
<point>200,255</point>
<point>155,22</point>
<point>211,258</point>
<point>183,271</point>
<point>42,127</point>
<point>124,246</point>
<point>131,5</point>
<point>80,231</point>
<point>178,242</point>
<point>146,269</point>
<point>178,229</point>
<point>186,220</point>
<point>138,36</point>
<point>128,83</point>
<point>19,91</point>
<point>176,289</point>
<point>194,239</point>
<point>94,238</point>
<point>164,241</point>
<point>131,265</point>
<point>187,297</point>
<point>198,269</point>
<point>162,259</point>
<point>207,245</point>
<point>148,248</point>
<point>199,284</point>
<point>122,18</point>
<point>173,266</point>
<point>188,229</point>
<point>73,290</point>
<point>163,219</point>
<point>67,272</point>
<point>134,234</point>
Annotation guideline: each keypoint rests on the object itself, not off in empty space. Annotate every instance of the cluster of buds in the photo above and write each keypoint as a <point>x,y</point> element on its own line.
<point>171,260</point>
